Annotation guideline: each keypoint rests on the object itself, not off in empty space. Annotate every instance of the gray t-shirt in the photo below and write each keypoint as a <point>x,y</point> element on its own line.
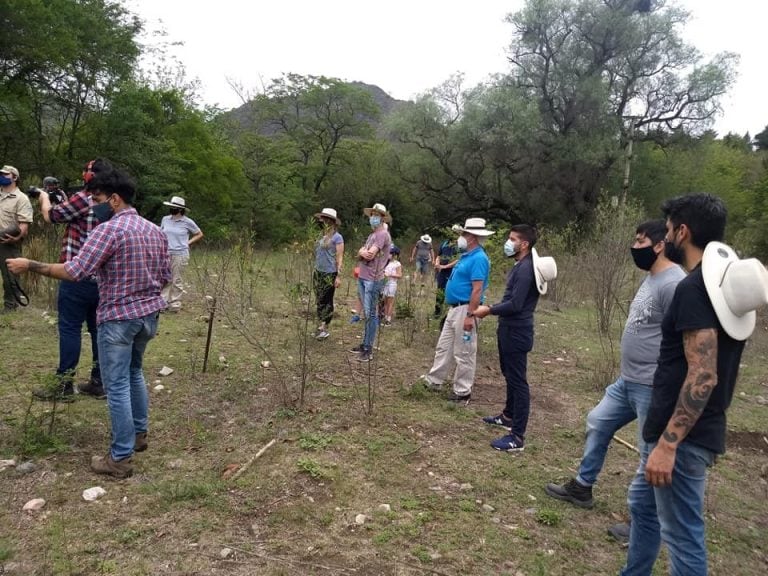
<point>642,332</point>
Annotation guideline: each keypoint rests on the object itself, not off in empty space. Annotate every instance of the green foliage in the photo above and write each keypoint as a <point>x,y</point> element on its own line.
<point>315,470</point>
<point>314,441</point>
<point>548,517</point>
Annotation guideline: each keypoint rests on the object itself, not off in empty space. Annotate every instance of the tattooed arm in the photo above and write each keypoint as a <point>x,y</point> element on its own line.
<point>21,265</point>
<point>701,354</point>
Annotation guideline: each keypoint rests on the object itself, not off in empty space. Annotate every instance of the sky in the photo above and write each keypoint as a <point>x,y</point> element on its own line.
<point>407,47</point>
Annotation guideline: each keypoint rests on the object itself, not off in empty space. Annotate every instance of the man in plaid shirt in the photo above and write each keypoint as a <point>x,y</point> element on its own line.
<point>77,301</point>
<point>129,256</point>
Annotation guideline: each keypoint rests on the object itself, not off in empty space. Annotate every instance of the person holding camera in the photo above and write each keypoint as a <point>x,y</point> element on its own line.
<point>77,300</point>
<point>15,218</point>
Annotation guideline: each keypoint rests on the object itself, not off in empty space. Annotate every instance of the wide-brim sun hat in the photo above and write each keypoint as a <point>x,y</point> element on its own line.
<point>328,213</point>
<point>736,288</point>
<point>177,202</point>
<point>381,209</point>
<point>544,269</point>
<point>474,226</point>
<point>426,238</point>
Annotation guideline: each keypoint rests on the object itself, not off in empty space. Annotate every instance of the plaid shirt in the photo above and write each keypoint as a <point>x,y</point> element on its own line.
<point>129,256</point>
<point>76,213</point>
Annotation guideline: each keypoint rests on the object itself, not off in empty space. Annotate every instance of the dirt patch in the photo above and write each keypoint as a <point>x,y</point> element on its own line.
<point>748,441</point>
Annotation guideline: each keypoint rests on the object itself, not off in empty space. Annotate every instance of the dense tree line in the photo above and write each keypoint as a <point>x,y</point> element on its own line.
<point>540,142</point>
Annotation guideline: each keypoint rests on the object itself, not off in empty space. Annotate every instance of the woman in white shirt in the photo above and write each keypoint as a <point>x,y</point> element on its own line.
<point>182,232</point>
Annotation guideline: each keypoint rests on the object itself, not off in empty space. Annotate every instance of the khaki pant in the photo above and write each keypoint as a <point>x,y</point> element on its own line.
<point>454,354</point>
<point>175,288</point>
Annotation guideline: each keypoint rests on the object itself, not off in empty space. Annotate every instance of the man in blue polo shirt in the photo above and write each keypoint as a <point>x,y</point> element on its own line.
<point>457,346</point>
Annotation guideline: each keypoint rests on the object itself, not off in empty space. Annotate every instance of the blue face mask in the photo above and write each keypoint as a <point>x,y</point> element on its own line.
<point>103,211</point>
<point>510,248</point>
<point>375,221</point>
<point>5,180</point>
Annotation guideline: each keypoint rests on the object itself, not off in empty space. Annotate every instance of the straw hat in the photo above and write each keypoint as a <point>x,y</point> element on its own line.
<point>545,270</point>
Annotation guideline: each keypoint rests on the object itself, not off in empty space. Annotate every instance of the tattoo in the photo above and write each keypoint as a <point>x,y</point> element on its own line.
<point>701,353</point>
<point>39,268</point>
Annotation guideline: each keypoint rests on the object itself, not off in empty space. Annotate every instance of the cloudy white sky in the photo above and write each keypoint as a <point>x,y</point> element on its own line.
<point>409,46</point>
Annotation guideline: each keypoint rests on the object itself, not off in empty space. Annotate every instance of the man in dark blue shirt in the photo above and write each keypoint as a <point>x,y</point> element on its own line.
<point>515,336</point>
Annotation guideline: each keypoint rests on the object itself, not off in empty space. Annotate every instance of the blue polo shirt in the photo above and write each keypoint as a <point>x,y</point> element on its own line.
<point>471,267</point>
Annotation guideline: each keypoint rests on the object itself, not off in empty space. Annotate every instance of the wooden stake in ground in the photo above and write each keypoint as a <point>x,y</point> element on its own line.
<point>625,443</point>
<point>211,315</point>
<point>252,460</point>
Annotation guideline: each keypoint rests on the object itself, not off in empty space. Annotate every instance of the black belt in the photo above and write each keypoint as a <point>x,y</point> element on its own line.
<point>458,304</point>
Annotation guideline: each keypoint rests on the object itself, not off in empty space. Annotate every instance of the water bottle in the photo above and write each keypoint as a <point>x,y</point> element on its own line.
<point>467,336</point>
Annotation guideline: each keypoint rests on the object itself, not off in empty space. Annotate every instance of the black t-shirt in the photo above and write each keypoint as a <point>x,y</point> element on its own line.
<point>691,309</point>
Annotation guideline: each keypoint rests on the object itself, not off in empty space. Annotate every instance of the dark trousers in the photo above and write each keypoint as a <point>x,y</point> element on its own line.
<point>514,345</point>
<point>9,280</point>
<point>325,289</point>
<point>77,303</point>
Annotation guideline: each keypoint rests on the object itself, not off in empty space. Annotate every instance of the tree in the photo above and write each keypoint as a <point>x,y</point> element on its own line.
<point>761,139</point>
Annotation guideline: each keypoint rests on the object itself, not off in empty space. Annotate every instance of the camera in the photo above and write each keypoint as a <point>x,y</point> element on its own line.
<point>12,231</point>
<point>33,191</point>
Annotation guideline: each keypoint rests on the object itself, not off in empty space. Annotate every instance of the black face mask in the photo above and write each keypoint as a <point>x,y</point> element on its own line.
<point>644,257</point>
<point>673,253</point>
<point>103,211</point>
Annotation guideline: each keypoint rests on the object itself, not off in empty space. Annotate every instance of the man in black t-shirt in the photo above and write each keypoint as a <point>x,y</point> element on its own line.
<point>692,389</point>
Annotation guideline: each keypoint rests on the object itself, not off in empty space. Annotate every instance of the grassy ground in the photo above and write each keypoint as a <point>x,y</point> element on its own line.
<point>350,438</point>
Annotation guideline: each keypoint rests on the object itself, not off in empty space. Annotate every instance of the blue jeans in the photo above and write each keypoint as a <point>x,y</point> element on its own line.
<point>369,292</point>
<point>77,303</point>
<point>673,514</point>
<point>622,403</point>
<point>121,349</point>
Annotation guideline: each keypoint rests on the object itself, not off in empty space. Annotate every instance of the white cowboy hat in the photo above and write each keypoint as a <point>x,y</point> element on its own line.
<point>177,202</point>
<point>736,288</point>
<point>474,226</point>
<point>328,213</point>
<point>426,238</point>
<point>545,270</point>
<point>381,209</point>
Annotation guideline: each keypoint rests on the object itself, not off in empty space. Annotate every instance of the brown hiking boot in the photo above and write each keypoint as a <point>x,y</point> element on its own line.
<point>141,442</point>
<point>105,465</point>
<point>94,389</point>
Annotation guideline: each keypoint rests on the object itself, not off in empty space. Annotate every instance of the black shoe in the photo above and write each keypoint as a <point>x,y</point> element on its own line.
<point>572,492</point>
<point>365,356</point>
<point>456,398</point>
<point>620,532</point>
<point>94,389</point>
<point>60,393</point>
<point>358,349</point>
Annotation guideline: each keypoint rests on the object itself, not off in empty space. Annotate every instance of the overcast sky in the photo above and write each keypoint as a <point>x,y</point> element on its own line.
<point>407,47</point>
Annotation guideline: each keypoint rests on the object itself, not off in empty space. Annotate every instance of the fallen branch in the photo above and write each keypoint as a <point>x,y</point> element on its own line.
<point>252,460</point>
<point>625,443</point>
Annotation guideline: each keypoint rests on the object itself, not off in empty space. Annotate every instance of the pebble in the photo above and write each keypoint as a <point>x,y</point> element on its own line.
<point>7,464</point>
<point>360,519</point>
<point>165,371</point>
<point>226,553</point>
<point>266,364</point>
<point>175,464</point>
<point>159,387</point>
<point>385,507</point>
<point>34,504</point>
<point>466,486</point>
<point>488,508</point>
<point>26,467</point>
<point>93,494</point>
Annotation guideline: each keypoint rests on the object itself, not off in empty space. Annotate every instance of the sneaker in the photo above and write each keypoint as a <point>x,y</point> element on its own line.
<point>620,532</point>
<point>105,465</point>
<point>358,349</point>
<point>94,389</point>
<point>355,319</point>
<point>141,443</point>
<point>365,356</point>
<point>572,492</point>
<point>322,334</point>
<point>60,393</point>
<point>508,443</point>
<point>499,420</point>
<point>388,323</point>
<point>460,399</point>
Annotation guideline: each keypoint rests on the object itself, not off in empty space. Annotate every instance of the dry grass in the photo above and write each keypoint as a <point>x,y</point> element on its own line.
<point>293,511</point>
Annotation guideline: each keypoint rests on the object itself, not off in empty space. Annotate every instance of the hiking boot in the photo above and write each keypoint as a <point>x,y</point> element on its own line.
<point>94,389</point>
<point>322,334</point>
<point>620,532</point>
<point>462,399</point>
<point>365,356</point>
<point>141,443</point>
<point>105,465</point>
<point>508,443</point>
<point>572,492</point>
<point>63,392</point>
<point>499,420</point>
<point>359,349</point>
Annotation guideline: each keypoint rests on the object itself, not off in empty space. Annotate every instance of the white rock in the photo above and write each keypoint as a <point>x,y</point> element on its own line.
<point>226,553</point>
<point>165,371</point>
<point>124,500</point>
<point>488,508</point>
<point>34,504</point>
<point>385,507</point>
<point>531,497</point>
<point>159,387</point>
<point>7,464</point>
<point>93,494</point>
<point>222,359</point>
<point>158,381</point>
<point>183,340</point>
<point>266,363</point>
<point>360,519</point>
<point>465,487</point>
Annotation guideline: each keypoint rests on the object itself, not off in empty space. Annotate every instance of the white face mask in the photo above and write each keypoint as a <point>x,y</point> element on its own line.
<point>461,244</point>
<point>510,248</point>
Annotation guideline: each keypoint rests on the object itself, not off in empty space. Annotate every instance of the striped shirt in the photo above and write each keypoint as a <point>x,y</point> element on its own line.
<point>129,256</point>
<point>76,213</point>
